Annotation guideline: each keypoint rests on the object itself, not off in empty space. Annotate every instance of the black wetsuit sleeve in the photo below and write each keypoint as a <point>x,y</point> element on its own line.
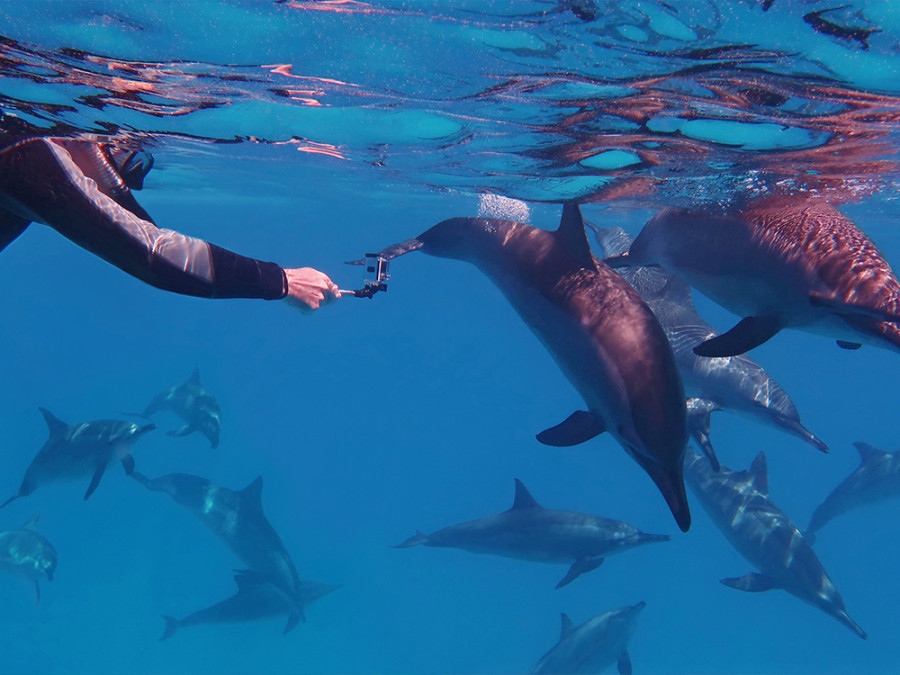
<point>39,180</point>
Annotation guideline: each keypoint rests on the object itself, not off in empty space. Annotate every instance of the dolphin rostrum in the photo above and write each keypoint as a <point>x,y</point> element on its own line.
<point>25,553</point>
<point>738,503</point>
<point>79,450</point>
<point>877,478</point>
<point>594,645</point>
<point>194,404</point>
<point>256,599</point>
<point>237,518</point>
<point>730,382</point>
<point>783,262</point>
<point>596,327</point>
<point>528,531</point>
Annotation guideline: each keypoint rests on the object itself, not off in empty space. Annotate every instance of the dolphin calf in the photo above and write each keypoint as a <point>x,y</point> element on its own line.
<point>194,404</point>
<point>738,503</point>
<point>528,531</point>
<point>25,553</point>
<point>782,262</point>
<point>877,478</point>
<point>237,518</point>
<point>596,327</point>
<point>734,383</point>
<point>85,449</point>
<point>256,599</point>
<point>594,645</point>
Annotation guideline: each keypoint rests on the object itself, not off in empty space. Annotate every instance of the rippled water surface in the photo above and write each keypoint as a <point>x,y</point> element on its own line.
<point>311,132</point>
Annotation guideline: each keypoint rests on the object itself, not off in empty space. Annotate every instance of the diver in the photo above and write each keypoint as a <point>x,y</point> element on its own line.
<point>83,190</point>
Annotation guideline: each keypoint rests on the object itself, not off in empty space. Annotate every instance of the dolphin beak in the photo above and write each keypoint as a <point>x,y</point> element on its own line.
<point>670,481</point>
<point>144,429</point>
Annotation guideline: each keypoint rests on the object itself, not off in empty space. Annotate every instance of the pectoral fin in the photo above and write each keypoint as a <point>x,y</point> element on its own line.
<point>37,590</point>
<point>579,427</point>
<point>579,567</point>
<point>852,346</point>
<point>183,431</point>
<point>95,479</point>
<point>624,664</point>
<point>128,464</point>
<point>698,411</point>
<point>752,583</point>
<point>293,620</point>
<point>750,332</point>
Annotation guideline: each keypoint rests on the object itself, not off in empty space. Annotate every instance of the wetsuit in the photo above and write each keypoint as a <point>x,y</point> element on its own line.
<point>78,189</point>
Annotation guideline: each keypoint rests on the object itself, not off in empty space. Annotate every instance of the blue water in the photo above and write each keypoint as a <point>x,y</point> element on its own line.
<point>371,419</point>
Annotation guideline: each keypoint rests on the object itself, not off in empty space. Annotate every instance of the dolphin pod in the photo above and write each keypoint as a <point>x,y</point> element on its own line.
<point>528,531</point>
<point>602,335</point>
<point>715,383</point>
<point>780,263</point>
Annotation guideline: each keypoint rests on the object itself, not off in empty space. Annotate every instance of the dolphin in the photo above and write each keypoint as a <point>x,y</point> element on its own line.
<point>738,503</point>
<point>780,263</point>
<point>594,645</point>
<point>194,404</point>
<point>598,330</point>
<point>877,478</point>
<point>730,382</point>
<point>85,449</point>
<point>24,552</point>
<point>255,599</point>
<point>528,531</point>
<point>237,518</point>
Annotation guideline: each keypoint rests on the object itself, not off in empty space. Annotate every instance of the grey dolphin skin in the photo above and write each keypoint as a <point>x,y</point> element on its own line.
<point>738,503</point>
<point>256,599</point>
<point>877,478</point>
<point>237,518</point>
<point>528,531</point>
<point>780,263</point>
<point>25,553</point>
<point>79,450</point>
<point>596,327</point>
<point>194,404</point>
<point>715,383</point>
<point>591,647</point>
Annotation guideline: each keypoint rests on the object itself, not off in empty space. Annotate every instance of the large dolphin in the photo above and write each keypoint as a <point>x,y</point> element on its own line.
<point>256,599</point>
<point>594,645</point>
<point>782,262</point>
<point>600,333</point>
<point>528,531</point>
<point>194,404</point>
<point>729,382</point>
<point>24,552</point>
<point>237,518</point>
<point>79,450</point>
<point>738,503</point>
<point>877,478</point>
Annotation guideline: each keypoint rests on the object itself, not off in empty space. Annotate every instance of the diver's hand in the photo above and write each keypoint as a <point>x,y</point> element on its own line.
<point>309,288</point>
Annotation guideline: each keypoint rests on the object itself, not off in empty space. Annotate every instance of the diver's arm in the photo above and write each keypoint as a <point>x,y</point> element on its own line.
<point>39,180</point>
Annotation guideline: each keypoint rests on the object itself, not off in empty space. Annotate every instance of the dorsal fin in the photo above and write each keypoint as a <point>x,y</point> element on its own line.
<point>567,626</point>
<point>572,235</point>
<point>523,499</point>
<point>759,473</point>
<point>867,452</point>
<point>253,491</point>
<point>195,375</point>
<point>31,523</point>
<point>55,424</point>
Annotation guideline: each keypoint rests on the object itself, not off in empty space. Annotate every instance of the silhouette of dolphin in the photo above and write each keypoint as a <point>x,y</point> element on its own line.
<point>780,263</point>
<point>731,382</point>
<point>877,478</point>
<point>237,518</point>
<point>601,334</point>
<point>85,449</point>
<point>528,531</point>
<point>194,404</point>
<point>25,553</point>
<point>738,503</point>
<point>594,645</point>
<point>256,599</point>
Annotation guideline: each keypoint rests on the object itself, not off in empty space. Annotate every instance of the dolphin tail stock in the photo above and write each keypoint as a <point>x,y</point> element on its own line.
<point>393,251</point>
<point>749,332</point>
<point>418,538</point>
<point>579,567</point>
<point>172,625</point>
